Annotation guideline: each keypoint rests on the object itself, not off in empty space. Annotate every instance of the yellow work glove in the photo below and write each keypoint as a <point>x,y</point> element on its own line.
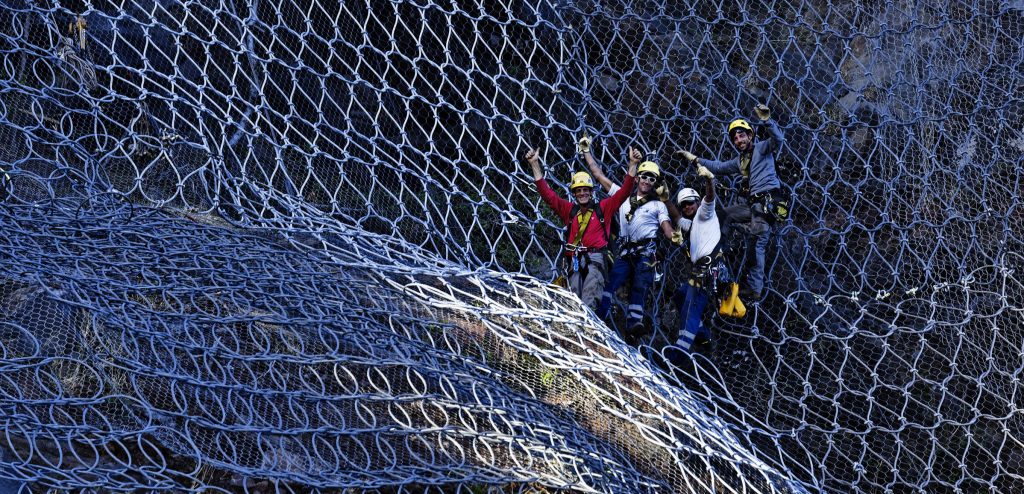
<point>762,111</point>
<point>739,310</point>
<point>662,192</point>
<point>677,237</point>
<point>702,171</point>
<point>583,145</point>
<point>729,301</point>
<point>732,306</point>
<point>688,156</point>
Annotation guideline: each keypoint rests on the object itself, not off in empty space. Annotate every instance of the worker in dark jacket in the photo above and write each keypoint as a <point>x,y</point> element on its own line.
<point>762,190</point>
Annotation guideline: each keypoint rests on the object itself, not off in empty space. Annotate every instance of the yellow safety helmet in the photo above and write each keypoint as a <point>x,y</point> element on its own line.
<point>649,167</point>
<point>581,179</point>
<point>740,123</point>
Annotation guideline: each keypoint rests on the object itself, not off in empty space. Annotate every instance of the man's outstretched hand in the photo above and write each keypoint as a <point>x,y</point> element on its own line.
<point>662,192</point>
<point>762,112</point>
<point>635,156</point>
<point>677,237</point>
<point>688,156</point>
<point>583,145</point>
<point>533,157</point>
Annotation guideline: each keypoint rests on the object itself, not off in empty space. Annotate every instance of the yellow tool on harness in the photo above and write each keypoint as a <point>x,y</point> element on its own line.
<point>732,306</point>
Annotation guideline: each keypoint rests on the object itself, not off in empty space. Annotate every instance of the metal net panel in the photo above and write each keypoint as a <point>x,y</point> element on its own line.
<point>275,246</point>
<point>172,352</point>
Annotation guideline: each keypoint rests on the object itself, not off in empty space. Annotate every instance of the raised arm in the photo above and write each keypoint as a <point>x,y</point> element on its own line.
<point>635,157</point>
<point>595,170</point>
<point>775,136</point>
<point>668,231</point>
<point>626,190</point>
<point>673,210</point>
<point>620,196</point>
<point>709,189</point>
<point>730,167</point>
<point>706,211</point>
<point>533,158</point>
<point>561,206</point>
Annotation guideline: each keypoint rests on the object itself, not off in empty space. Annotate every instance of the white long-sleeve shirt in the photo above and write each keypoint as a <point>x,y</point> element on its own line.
<point>705,232</point>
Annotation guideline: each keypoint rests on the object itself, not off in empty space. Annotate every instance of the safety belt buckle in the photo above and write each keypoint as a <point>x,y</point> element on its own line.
<point>571,248</point>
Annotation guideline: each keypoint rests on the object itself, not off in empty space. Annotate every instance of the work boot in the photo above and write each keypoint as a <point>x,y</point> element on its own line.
<point>702,344</point>
<point>634,333</point>
<point>749,295</point>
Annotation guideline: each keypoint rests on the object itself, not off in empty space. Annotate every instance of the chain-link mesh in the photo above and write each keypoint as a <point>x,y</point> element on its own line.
<point>274,246</point>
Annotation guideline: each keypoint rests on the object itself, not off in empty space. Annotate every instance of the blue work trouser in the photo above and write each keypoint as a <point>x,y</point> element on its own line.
<point>691,302</point>
<point>642,270</point>
<point>755,225</point>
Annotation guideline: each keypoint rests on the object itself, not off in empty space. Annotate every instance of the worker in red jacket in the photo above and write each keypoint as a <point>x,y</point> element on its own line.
<point>586,253</point>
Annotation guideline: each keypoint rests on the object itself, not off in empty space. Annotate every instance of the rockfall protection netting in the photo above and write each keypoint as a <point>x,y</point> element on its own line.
<point>278,246</point>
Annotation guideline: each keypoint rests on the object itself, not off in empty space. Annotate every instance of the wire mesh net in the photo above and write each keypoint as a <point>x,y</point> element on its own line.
<point>275,246</point>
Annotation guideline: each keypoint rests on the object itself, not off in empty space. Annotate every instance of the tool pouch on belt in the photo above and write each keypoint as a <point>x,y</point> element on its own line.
<point>743,188</point>
<point>773,205</point>
<point>568,265</point>
<point>718,278</point>
<point>571,260</point>
<point>574,259</point>
<point>711,274</point>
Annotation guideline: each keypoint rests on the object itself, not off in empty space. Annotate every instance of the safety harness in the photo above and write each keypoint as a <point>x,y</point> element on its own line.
<point>711,274</point>
<point>643,246</point>
<point>771,204</point>
<point>709,271</point>
<point>635,205</point>
<point>583,221</point>
<point>575,252</point>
